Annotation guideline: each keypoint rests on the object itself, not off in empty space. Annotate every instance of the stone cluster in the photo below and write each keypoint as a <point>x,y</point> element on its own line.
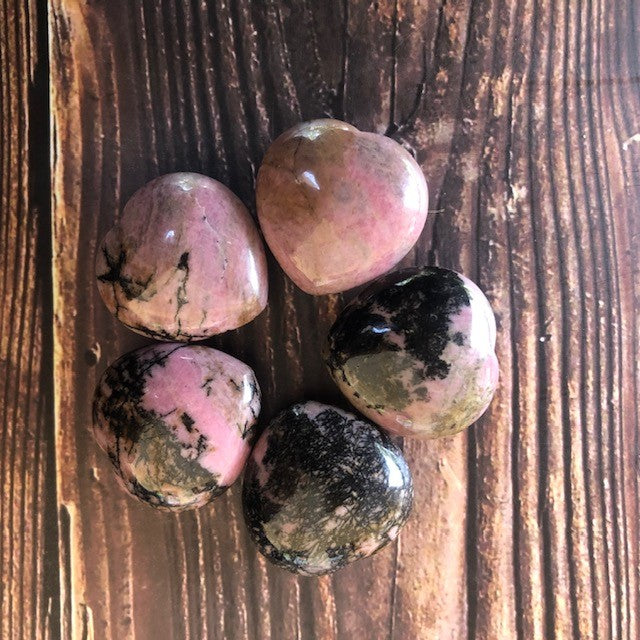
<point>414,352</point>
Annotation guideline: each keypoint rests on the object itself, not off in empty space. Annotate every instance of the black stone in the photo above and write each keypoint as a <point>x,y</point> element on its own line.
<point>337,481</point>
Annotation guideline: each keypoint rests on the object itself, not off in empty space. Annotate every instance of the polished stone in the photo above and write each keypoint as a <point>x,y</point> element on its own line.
<point>184,262</point>
<point>323,488</point>
<point>415,352</point>
<point>176,421</point>
<point>339,206</point>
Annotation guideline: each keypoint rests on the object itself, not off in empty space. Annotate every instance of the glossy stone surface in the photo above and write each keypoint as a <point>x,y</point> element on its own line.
<point>323,488</point>
<point>415,352</point>
<point>176,421</point>
<point>338,206</point>
<point>185,261</point>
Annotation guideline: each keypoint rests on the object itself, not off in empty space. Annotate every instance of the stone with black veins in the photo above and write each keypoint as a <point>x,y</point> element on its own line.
<point>184,262</point>
<point>323,488</point>
<point>177,422</point>
<point>414,352</point>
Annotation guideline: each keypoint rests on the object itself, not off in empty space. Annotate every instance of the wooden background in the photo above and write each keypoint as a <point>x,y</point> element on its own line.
<point>525,115</point>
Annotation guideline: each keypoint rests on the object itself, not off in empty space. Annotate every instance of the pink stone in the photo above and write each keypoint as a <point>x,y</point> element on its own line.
<point>176,421</point>
<point>339,206</point>
<point>184,262</point>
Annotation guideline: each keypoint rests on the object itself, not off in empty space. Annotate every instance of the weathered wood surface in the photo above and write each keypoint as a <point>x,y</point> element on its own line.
<point>525,115</point>
<point>29,602</point>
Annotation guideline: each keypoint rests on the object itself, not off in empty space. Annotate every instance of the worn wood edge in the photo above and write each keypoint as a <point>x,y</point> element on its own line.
<point>65,108</point>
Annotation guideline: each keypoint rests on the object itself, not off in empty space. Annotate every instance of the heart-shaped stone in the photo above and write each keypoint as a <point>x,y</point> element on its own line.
<point>323,488</point>
<point>338,206</point>
<point>184,262</point>
<point>177,422</point>
<point>415,352</point>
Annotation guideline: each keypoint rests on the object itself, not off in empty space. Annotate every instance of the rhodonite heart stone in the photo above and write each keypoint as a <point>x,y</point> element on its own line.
<point>184,262</point>
<point>339,206</point>
<point>323,488</point>
<point>415,352</point>
<point>176,421</point>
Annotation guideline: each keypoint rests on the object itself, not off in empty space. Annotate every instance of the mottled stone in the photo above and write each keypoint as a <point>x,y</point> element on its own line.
<point>323,488</point>
<point>338,206</point>
<point>177,422</point>
<point>185,261</point>
<point>415,352</point>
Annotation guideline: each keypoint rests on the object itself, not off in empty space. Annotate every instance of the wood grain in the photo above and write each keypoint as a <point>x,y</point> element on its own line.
<point>29,604</point>
<point>525,116</point>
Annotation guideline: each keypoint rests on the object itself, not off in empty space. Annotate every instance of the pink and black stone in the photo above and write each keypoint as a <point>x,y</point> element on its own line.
<point>184,262</point>
<point>323,488</point>
<point>415,352</point>
<point>177,422</point>
<point>339,206</point>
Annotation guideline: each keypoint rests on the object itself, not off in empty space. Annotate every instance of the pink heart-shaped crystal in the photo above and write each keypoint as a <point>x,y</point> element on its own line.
<point>338,206</point>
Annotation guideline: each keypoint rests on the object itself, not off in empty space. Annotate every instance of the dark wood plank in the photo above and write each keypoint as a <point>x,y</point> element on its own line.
<point>29,590</point>
<point>525,116</point>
